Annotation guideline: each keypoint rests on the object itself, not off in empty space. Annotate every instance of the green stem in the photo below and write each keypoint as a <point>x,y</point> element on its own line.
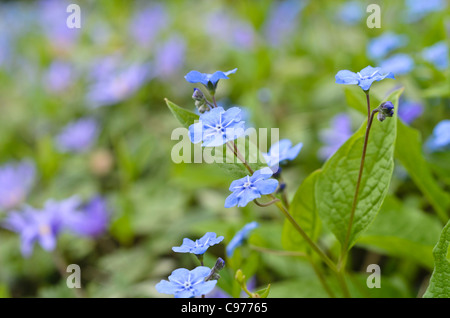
<point>321,277</point>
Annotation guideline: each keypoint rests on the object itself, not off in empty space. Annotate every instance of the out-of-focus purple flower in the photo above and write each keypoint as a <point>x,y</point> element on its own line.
<point>408,111</point>
<point>58,76</point>
<point>90,220</point>
<point>398,64</point>
<point>351,12</point>
<point>240,236</point>
<point>53,19</point>
<point>114,84</point>
<point>78,136</point>
<point>170,57</point>
<point>16,180</point>
<point>223,26</point>
<point>282,21</point>
<point>440,139</point>
<point>42,226</point>
<point>379,47</point>
<point>417,9</point>
<point>334,137</point>
<point>146,23</point>
<point>437,54</point>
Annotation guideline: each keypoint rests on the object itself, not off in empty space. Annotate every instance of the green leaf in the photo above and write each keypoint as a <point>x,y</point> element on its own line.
<point>403,231</point>
<point>185,117</point>
<point>335,187</point>
<point>440,279</point>
<point>408,149</point>
<point>303,210</point>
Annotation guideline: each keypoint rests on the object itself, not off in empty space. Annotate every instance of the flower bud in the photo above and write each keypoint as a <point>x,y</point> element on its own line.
<point>198,95</point>
<point>387,108</point>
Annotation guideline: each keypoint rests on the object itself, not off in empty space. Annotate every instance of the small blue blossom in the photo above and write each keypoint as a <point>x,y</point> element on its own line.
<point>16,180</point>
<point>351,12</point>
<point>364,78</point>
<point>200,246</point>
<point>398,64</point>
<point>187,284</point>
<point>210,81</point>
<point>417,9</point>
<point>281,151</point>
<point>408,111</point>
<point>335,136</point>
<point>249,188</point>
<point>440,139</point>
<point>380,46</point>
<point>240,237</point>
<point>217,126</point>
<point>78,136</point>
<point>437,54</point>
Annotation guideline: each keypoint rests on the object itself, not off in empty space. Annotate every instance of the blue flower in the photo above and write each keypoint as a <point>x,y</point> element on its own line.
<point>249,188</point>
<point>187,284</point>
<point>408,111</point>
<point>437,54</point>
<point>16,180</point>
<point>364,78</point>
<point>280,152</point>
<point>398,64</point>
<point>380,46</point>
<point>200,246</point>
<point>217,126</point>
<point>240,237</point>
<point>440,139</point>
<point>210,81</point>
<point>351,12</point>
<point>78,136</point>
<point>334,137</point>
<point>417,9</point>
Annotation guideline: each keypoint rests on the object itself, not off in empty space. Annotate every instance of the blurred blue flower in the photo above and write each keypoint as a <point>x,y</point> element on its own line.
<point>78,136</point>
<point>408,111</point>
<point>240,236</point>
<point>351,12</point>
<point>281,151</point>
<point>282,20</point>
<point>147,23</point>
<point>417,9</point>
<point>379,47</point>
<point>398,64</point>
<point>364,78</point>
<point>58,76</point>
<point>249,188</point>
<point>187,284</point>
<point>217,126</point>
<point>16,180</point>
<point>200,246</point>
<point>437,54</point>
<point>169,57</point>
<point>440,139</point>
<point>335,136</point>
<point>90,219</point>
<point>114,83</point>
<point>210,81</point>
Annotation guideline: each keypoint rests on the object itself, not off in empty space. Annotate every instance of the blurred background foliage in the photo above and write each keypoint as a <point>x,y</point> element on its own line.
<point>287,54</point>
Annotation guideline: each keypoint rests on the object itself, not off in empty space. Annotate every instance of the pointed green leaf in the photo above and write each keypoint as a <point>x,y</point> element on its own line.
<point>335,187</point>
<point>303,209</point>
<point>185,117</point>
<point>440,279</point>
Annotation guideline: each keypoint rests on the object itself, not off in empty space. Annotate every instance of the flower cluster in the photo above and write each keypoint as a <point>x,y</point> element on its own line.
<point>184,283</point>
<point>45,225</point>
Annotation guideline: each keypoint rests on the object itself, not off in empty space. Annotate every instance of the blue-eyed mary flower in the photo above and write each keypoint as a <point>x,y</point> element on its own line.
<point>240,237</point>
<point>200,246</point>
<point>281,151</point>
<point>251,187</point>
<point>16,180</point>
<point>440,139</point>
<point>398,64</point>
<point>78,136</point>
<point>184,283</point>
<point>217,126</point>
<point>364,78</point>
<point>381,46</point>
<point>210,81</point>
